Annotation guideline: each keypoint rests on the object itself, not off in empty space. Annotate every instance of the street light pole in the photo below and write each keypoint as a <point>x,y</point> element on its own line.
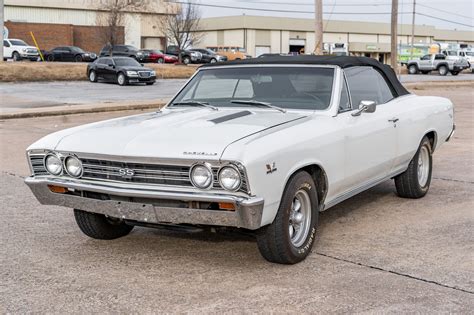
<point>394,36</point>
<point>318,27</point>
<point>413,29</point>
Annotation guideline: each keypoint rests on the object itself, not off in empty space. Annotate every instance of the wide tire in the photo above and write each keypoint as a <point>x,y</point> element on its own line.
<point>99,226</point>
<point>412,69</point>
<point>415,181</point>
<point>16,56</point>
<point>275,241</point>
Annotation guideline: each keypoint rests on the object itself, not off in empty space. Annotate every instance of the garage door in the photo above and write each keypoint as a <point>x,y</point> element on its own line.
<point>260,50</point>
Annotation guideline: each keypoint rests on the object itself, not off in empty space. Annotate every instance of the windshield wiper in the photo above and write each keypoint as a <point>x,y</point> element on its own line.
<point>258,103</point>
<point>196,103</point>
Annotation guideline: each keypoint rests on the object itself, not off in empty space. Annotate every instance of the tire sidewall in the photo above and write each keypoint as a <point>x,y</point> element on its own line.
<point>443,70</point>
<point>413,69</point>
<point>161,61</point>
<point>300,181</point>
<point>16,56</point>
<point>425,143</point>
<point>186,60</point>
<point>92,73</point>
<point>124,79</point>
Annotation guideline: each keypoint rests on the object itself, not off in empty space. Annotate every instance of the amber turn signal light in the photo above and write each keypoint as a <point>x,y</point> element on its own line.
<point>57,189</point>
<point>226,206</point>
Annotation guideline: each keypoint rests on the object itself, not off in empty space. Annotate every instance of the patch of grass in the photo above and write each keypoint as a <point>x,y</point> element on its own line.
<point>56,71</point>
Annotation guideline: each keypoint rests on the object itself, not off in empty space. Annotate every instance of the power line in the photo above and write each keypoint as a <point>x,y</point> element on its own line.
<point>445,20</point>
<point>278,10</point>
<point>444,11</point>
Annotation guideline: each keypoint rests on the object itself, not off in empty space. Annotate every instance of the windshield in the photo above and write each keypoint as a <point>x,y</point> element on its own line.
<point>126,62</point>
<point>17,42</point>
<point>286,87</point>
<point>77,49</point>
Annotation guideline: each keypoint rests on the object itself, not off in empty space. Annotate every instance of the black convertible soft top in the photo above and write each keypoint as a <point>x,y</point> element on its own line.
<point>341,61</point>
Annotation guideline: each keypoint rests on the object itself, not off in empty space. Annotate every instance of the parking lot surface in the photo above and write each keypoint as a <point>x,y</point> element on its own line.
<point>27,95</point>
<point>375,253</point>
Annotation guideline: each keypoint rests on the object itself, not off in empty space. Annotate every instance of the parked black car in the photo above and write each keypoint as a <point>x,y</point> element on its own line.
<point>187,56</point>
<point>209,56</point>
<point>69,53</point>
<point>123,70</point>
<point>122,51</point>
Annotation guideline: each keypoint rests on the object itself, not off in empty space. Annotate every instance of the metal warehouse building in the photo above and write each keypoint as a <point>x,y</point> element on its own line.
<point>259,34</point>
<point>77,22</point>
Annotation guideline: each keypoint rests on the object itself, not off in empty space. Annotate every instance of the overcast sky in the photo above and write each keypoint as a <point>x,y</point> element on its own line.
<point>459,11</point>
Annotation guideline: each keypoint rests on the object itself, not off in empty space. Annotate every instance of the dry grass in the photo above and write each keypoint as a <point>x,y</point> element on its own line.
<point>45,71</point>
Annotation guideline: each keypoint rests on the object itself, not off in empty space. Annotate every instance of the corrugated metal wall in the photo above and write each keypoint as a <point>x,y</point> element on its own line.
<point>46,15</point>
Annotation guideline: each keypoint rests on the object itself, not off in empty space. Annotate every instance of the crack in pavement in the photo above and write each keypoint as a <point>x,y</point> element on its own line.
<point>454,180</point>
<point>12,174</point>
<point>396,273</point>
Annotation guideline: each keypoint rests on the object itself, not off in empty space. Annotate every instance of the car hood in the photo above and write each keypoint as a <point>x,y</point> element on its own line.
<point>172,133</point>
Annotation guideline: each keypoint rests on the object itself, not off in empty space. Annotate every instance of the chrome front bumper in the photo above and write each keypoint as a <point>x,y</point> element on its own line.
<point>247,214</point>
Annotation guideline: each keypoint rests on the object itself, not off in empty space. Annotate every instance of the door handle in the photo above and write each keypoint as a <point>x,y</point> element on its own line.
<point>393,120</point>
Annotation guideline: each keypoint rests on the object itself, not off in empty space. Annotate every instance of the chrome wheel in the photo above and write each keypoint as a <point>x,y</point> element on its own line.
<point>121,79</point>
<point>423,166</point>
<point>300,218</point>
<point>92,76</point>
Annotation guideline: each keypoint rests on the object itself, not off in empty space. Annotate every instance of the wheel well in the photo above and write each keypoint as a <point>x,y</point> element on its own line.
<point>320,178</point>
<point>441,65</point>
<point>433,139</point>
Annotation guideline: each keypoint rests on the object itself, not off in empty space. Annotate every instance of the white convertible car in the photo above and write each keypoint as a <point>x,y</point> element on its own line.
<point>262,144</point>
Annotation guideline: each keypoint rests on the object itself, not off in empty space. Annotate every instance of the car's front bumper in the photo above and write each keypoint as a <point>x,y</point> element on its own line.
<point>148,204</point>
<point>141,80</point>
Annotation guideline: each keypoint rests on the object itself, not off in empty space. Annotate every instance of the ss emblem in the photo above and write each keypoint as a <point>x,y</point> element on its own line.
<point>126,172</point>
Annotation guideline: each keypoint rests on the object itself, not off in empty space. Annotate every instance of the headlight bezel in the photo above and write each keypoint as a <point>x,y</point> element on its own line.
<point>208,167</point>
<point>132,73</point>
<point>45,164</point>
<point>66,168</point>
<point>238,172</point>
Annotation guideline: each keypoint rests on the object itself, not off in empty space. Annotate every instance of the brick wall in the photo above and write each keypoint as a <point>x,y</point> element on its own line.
<point>48,36</point>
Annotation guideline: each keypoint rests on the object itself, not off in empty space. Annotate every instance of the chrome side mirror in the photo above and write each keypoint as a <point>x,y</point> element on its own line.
<point>365,106</point>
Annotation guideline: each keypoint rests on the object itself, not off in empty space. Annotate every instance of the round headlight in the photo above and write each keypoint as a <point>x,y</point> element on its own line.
<point>201,176</point>
<point>53,164</point>
<point>73,166</point>
<point>230,178</point>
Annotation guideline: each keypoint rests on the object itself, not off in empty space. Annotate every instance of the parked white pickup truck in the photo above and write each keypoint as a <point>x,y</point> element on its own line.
<point>17,49</point>
<point>437,62</point>
<point>457,54</point>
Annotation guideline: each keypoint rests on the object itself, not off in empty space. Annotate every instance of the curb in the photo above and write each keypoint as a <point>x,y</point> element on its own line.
<point>87,110</point>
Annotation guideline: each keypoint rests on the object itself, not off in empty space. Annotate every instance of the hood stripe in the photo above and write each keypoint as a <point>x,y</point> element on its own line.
<point>230,117</point>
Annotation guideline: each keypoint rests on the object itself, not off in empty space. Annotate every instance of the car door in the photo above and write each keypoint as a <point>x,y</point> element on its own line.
<point>100,67</point>
<point>109,69</point>
<point>7,50</point>
<point>370,138</point>
<point>67,54</point>
<point>425,62</point>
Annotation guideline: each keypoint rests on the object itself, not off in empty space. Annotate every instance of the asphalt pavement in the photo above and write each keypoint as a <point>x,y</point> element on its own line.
<point>375,253</point>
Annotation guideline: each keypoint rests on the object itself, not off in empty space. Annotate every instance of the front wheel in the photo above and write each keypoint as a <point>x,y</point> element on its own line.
<point>160,60</point>
<point>289,239</point>
<point>213,60</point>
<point>99,226</point>
<point>16,56</point>
<point>415,181</point>
<point>78,58</point>
<point>186,60</point>
<point>121,79</point>
<point>92,76</point>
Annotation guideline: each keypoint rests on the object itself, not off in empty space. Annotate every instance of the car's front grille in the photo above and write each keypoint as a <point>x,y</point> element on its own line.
<point>131,172</point>
<point>144,74</point>
<point>31,51</point>
<point>136,172</point>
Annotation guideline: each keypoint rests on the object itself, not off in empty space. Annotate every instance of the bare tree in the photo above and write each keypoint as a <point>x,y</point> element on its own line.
<point>182,28</point>
<point>111,18</point>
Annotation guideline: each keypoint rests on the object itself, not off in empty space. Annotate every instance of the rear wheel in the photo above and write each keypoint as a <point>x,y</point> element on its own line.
<point>92,76</point>
<point>121,79</point>
<point>443,70</point>
<point>415,181</point>
<point>289,239</point>
<point>412,69</point>
<point>50,58</point>
<point>99,226</point>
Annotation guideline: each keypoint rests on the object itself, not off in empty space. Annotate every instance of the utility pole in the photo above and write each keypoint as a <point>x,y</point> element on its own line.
<point>318,27</point>
<point>394,36</point>
<point>413,29</point>
<point>1,29</point>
